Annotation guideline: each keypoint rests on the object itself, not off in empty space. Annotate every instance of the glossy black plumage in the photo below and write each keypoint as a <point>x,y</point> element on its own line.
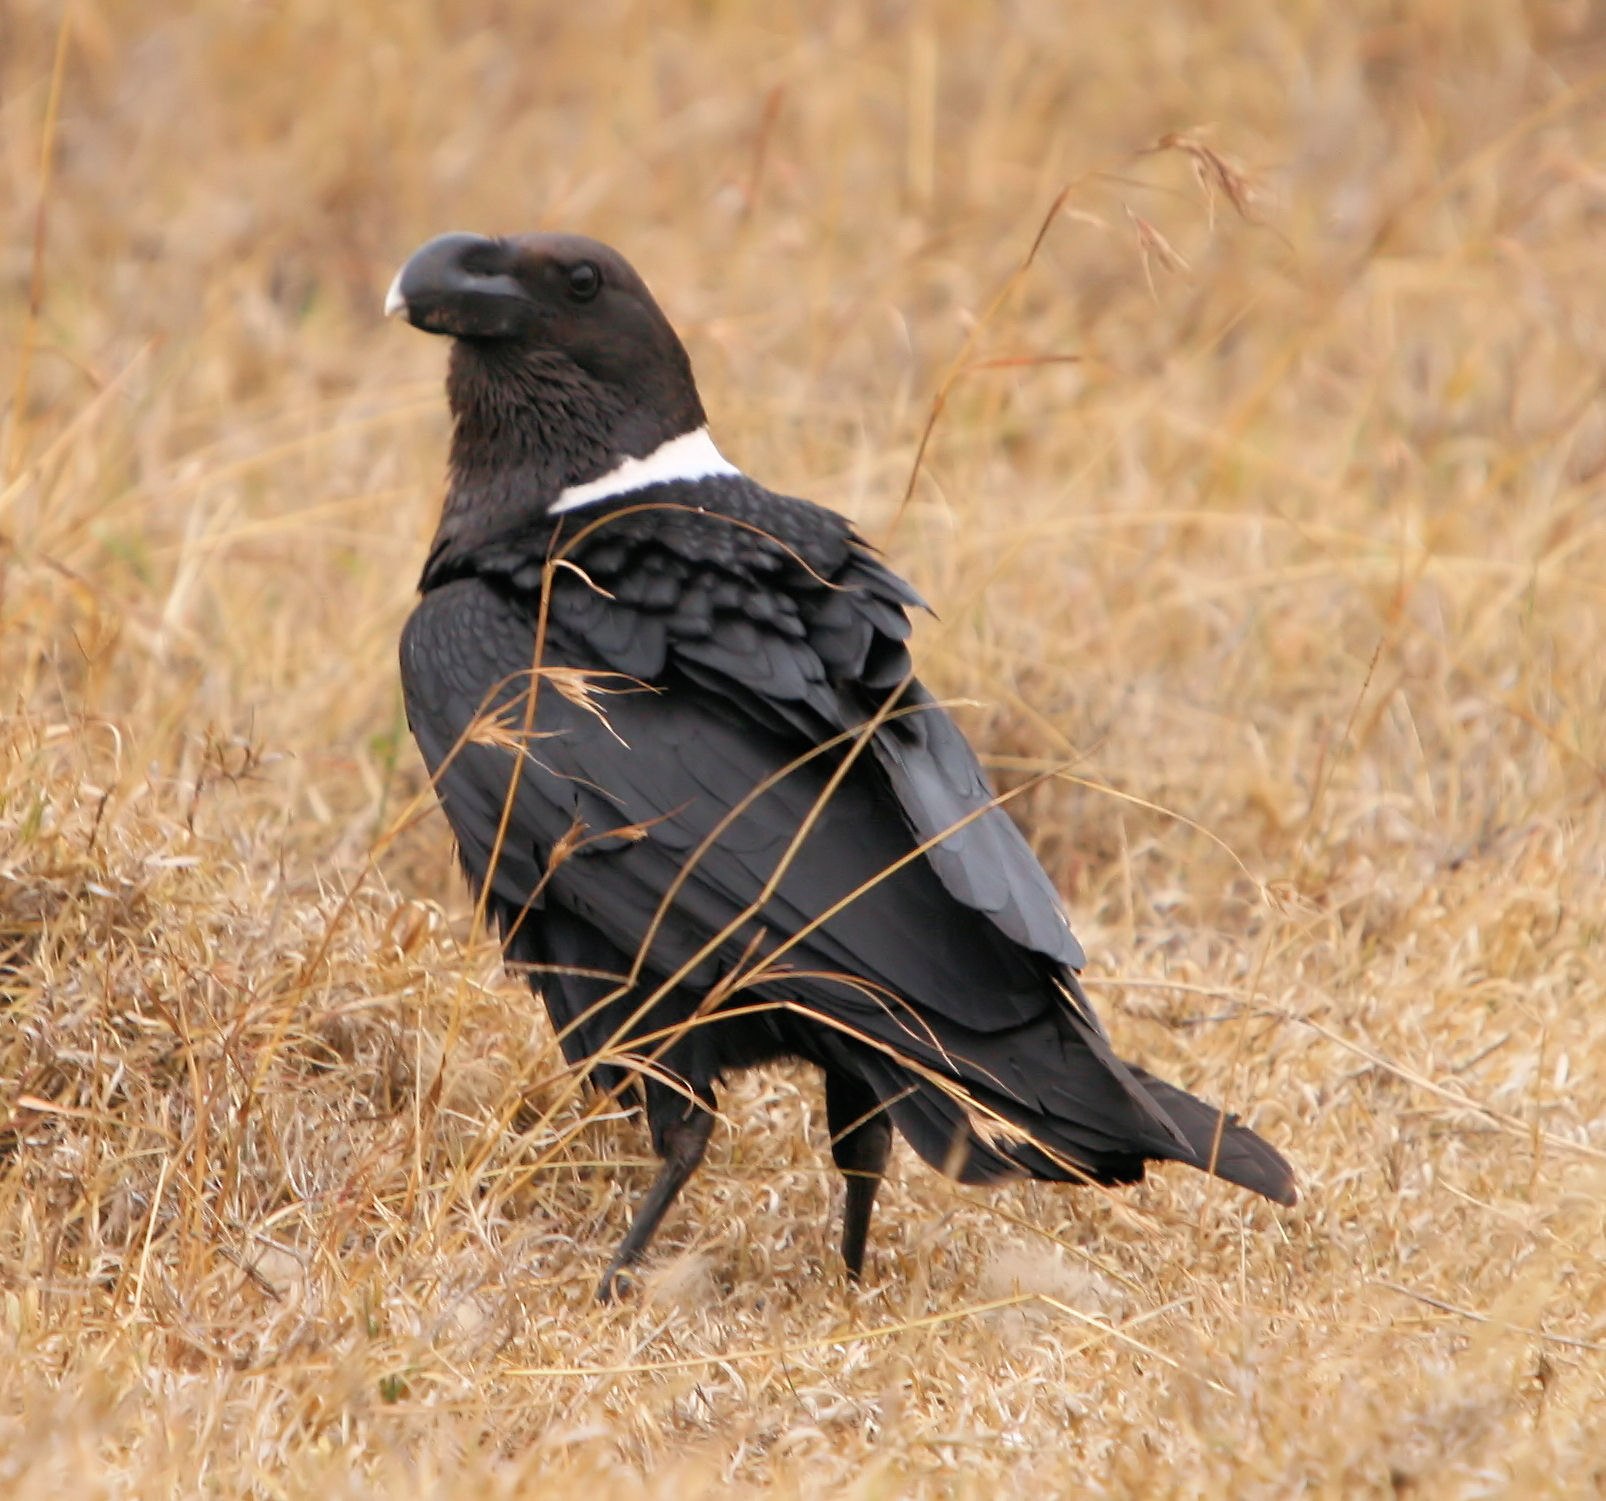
<point>731,788</point>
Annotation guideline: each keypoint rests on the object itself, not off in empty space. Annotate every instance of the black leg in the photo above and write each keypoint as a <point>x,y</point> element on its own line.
<point>861,1138</point>
<point>680,1132</point>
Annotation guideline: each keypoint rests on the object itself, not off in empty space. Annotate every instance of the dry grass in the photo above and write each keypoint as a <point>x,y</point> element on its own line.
<point>1307,548</point>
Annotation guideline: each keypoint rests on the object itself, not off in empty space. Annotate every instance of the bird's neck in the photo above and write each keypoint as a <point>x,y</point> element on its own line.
<point>530,413</point>
<point>526,426</point>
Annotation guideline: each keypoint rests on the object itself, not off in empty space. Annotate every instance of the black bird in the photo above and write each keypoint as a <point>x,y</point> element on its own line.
<point>674,727</point>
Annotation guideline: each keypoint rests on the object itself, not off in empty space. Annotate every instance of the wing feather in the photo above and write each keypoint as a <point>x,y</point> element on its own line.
<point>678,812</point>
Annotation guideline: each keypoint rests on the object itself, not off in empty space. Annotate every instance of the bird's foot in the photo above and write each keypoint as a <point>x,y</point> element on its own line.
<point>618,1281</point>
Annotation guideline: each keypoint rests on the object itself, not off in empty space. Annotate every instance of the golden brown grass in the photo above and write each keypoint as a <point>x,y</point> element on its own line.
<point>1300,561</point>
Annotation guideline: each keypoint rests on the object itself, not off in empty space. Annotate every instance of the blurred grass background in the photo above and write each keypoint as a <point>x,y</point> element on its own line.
<point>1270,499</point>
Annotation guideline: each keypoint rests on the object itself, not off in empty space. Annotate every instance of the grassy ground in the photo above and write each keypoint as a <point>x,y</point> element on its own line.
<point>1299,567</point>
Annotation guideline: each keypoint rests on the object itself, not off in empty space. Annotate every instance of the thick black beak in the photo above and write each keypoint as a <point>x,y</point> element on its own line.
<point>462,285</point>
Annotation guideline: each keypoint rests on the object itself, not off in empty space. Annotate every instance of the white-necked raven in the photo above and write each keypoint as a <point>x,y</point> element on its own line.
<point>674,728</point>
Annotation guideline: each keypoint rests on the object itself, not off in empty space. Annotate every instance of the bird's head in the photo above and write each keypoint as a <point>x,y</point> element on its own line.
<point>559,326</point>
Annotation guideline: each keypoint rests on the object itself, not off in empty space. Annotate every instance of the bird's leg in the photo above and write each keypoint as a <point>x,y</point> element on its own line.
<point>680,1132</point>
<point>861,1138</point>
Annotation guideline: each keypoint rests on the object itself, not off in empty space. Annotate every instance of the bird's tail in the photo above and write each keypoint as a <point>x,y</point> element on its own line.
<point>1058,1148</point>
<point>1239,1156</point>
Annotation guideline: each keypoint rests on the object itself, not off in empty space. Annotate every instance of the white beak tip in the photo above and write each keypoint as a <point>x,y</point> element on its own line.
<point>395,303</point>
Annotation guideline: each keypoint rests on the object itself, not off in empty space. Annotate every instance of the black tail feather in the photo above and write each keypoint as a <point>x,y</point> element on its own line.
<point>1240,1157</point>
<point>1056,1150</point>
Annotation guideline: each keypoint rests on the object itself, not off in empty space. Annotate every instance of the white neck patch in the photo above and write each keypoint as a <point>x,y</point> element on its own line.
<point>691,456</point>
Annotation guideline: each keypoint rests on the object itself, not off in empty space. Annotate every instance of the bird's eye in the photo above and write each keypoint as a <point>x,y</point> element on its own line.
<point>585,281</point>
